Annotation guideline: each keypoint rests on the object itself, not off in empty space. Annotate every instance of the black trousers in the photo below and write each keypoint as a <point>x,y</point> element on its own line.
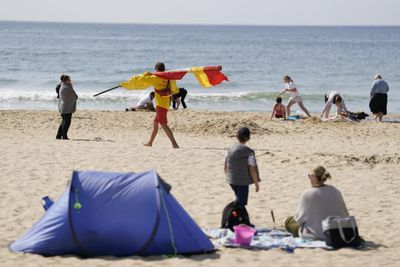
<point>64,126</point>
<point>182,95</point>
<point>241,193</point>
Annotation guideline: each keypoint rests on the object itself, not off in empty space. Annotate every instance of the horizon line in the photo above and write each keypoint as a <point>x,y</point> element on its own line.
<point>204,24</point>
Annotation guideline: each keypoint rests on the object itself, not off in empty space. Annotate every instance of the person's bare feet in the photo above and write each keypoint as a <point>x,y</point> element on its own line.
<point>147,144</point>
<point>175,146</point>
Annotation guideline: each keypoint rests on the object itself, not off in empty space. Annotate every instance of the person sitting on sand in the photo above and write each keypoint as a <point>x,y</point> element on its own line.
<point>66,106</point>
<point>333,97</point>
<point>279,110</point>
<point>295,96</point>
<point>241,167</point>
<point>146,103</point>
<point>179,98</point>
<point>316,204</point>
<point>378,94</point>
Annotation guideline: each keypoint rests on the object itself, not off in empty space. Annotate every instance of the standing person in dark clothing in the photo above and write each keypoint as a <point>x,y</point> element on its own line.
<point>378,94</point>
<point>66,106</point>
<point>179,98</point>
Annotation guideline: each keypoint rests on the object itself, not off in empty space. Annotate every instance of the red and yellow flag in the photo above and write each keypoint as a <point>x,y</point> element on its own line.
<point>206,76</point>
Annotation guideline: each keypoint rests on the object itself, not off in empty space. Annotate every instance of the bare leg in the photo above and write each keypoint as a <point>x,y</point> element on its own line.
<point>289,104</point>
<point>301,105</point>
<point>153,134</point>
<point>170,135</point>
<point>380,116</point>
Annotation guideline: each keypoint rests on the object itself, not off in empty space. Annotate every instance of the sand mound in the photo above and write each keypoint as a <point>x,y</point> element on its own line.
<point>216,123</point>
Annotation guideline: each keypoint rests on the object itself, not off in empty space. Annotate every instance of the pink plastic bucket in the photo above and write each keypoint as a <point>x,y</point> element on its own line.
<point>243,235</point>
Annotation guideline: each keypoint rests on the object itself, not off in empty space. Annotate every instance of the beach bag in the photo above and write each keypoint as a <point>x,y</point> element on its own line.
<point>341,232</point>
<point>357,116</point>
<point>234,214</point>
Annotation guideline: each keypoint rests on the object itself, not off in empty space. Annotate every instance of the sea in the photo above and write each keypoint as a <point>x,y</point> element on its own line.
<point>33,55</point>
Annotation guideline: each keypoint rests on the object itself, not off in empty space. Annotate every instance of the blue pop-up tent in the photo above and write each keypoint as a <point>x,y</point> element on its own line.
<point>115,214</point>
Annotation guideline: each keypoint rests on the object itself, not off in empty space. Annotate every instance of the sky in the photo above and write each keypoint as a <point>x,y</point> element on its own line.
<point>225,12</point>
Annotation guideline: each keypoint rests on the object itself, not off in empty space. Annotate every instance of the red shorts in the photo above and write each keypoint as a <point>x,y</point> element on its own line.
<point>161,115</point>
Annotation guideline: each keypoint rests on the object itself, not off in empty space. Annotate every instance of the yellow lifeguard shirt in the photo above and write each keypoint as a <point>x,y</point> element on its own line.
<point>163,88</point>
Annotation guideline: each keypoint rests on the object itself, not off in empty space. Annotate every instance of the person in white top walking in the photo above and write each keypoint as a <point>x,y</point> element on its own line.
<point>333,97</point>
<point>295,96</point>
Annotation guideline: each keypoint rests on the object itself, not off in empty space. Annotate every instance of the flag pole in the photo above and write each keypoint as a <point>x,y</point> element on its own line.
<point>105,91</point>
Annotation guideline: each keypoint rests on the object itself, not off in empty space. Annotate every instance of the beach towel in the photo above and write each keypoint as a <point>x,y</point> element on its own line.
<point>294,118</point>
<point>264,239</point>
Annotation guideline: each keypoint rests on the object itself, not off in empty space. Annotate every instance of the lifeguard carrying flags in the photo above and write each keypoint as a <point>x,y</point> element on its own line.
<point>206,76</point>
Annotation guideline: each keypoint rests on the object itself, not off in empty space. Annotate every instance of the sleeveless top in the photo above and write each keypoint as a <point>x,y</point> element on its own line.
<point>238,172</point>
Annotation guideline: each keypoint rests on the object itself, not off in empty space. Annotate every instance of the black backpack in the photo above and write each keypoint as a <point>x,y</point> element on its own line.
<point>234,214</point>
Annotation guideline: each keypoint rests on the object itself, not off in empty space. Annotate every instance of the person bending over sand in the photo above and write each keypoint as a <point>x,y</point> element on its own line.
<point>241,167</point>
<point>295,96</point>
<point>279,110</point>
<point>146,103</point>
<point>316,204</point>
<point>333,97</point>
<point>179,98</point>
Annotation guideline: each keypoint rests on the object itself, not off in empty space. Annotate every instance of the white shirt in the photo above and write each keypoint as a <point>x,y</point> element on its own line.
<point>327,109</point>
<point>291,85</point>
<point>145,100</point>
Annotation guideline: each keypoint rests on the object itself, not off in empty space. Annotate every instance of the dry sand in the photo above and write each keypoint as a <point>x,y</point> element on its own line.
<point>364,159</point>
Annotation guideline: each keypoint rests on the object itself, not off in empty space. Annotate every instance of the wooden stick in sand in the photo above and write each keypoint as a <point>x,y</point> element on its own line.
<point>273,219</point>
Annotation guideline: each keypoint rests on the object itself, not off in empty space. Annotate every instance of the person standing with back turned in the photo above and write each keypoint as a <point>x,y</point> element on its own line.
<point>241,167</point>
<point>378,94</point>
<point>66,106</point>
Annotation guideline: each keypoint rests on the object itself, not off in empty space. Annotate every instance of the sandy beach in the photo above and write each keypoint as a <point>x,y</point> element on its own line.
<point>363,158</point>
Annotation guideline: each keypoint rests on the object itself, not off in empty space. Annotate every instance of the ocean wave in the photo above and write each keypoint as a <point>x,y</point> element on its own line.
<point>122,96</point>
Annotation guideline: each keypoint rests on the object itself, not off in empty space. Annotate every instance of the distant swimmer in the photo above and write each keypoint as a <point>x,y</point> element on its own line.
<point>333,97</point>
<point>279,110</point>
<point>295,96</point>
<point>179,98</point>
<point>378,94</point>
<point>145,103</point>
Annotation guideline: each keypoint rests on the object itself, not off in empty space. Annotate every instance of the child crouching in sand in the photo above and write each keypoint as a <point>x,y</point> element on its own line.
<point>279,110</point>
<point>241,167</point>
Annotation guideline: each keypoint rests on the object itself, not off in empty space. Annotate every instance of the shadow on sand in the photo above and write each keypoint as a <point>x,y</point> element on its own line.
<point>370,245</point>
<point>199,257</point>
<point>96,139</point>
